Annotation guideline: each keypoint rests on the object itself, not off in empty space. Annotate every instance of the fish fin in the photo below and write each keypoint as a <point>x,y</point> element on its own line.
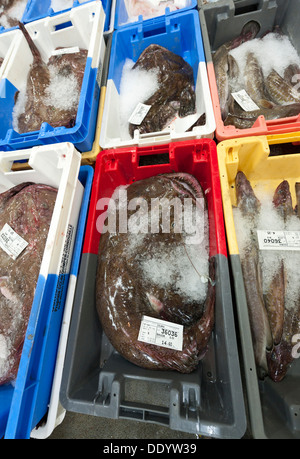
<point>264,103</point>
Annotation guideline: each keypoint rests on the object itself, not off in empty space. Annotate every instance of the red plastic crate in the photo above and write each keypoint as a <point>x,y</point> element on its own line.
<point>117,167</point>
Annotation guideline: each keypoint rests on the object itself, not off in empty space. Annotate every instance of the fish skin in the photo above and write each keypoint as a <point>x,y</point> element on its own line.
<point>280,91</point>
<point>222,80</point>
<point>281,357</point>
<point>120,313</point>
<point>38,80</point>
<point>175,95</point>
<point>225,66</point>
<point>254,81</point>
<point>275,296</point>
<point>245,120</point>
<point>28,209</point>
<point>249,205</point>
<point>292,74</point>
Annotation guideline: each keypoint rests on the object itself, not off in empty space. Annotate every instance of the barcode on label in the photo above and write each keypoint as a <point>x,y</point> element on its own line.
<point>11,242</point>
<point>161,333</point>
<point>139,113</point>
<point>245,101</point>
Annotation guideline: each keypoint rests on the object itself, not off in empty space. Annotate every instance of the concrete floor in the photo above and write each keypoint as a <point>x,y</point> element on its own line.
<point>81,426</point>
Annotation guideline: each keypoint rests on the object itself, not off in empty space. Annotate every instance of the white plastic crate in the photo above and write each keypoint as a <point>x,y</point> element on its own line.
<point>57,166</point>
<point>81,27</point>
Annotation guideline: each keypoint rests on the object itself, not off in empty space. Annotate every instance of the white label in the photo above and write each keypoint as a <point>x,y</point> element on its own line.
<point>11,242</point>
<point>278,240</point>
<point>57,52</point>
<point>139,113</point>
<point>161,333</point>
<point>245,101</point>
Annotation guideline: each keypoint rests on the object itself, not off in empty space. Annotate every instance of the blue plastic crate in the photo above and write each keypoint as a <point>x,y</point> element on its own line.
<point>181,34</point>
<point>32,391</point>
<point>66,29</point>
<point>123,18</point>
<point>39,9</point>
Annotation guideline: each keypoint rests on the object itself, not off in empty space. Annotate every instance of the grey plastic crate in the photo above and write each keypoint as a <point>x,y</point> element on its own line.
<point>225,19</point>
<point>98,381</point>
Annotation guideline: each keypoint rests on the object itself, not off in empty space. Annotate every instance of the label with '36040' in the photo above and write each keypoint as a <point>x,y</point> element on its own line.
<point>278,240</point>
<point>161,333</point>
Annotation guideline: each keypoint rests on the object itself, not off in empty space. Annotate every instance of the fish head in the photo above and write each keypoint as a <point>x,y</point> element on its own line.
<point>246,199</point>
<point>282,199</point>
<point>249,31</point>
<point>279,359</point>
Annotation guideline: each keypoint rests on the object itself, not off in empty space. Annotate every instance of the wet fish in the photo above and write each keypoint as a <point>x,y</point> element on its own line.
<point>250,206</point>
<point>275,297</point>
<point>281,357</point>
<point>27,209</point>
<point>292,74</point>
<point>254,82</point>
<point>175,95</point>
<point>38,109</point>
<point>280,91</point>
<point>130,283</point>
<point>226,67</point>
<point>245,120</point>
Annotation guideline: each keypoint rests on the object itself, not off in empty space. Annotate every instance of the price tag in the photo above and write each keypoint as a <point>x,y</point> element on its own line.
<point>139,113</point>
<point>245,101</point>
<point>278,240</point>
<point>11,242</point>
<point>161,333</point>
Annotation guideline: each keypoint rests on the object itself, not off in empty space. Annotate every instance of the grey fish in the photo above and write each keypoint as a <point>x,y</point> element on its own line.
<point>245,120</point>
<point>254,82</point>
<point>275,296</point>
<point>280,358</point>
<point>225,66</point>
<point>124,293</point>
<point>249,205</point>
<point>175,95</point>
<point>280,91</point>
<point>292,74</point>
<point>27,209</point>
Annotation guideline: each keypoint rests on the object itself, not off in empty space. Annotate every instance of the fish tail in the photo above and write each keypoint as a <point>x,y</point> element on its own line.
<point>35,52</point>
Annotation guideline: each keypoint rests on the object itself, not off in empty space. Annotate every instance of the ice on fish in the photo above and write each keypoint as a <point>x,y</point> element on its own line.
<point>63,91</point>
<point>136,86</point>
<point>270,260</point>
<point>273,51</point>
<point>14,13</point>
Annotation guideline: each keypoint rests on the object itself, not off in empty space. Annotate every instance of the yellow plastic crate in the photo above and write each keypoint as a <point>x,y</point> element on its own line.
<point>274,407</point>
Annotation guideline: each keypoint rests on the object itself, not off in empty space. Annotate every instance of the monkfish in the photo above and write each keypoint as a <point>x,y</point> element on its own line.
<point>161,274</point>
<point>42,76</point>
<point>175,95</point>
<point>27,208</point>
